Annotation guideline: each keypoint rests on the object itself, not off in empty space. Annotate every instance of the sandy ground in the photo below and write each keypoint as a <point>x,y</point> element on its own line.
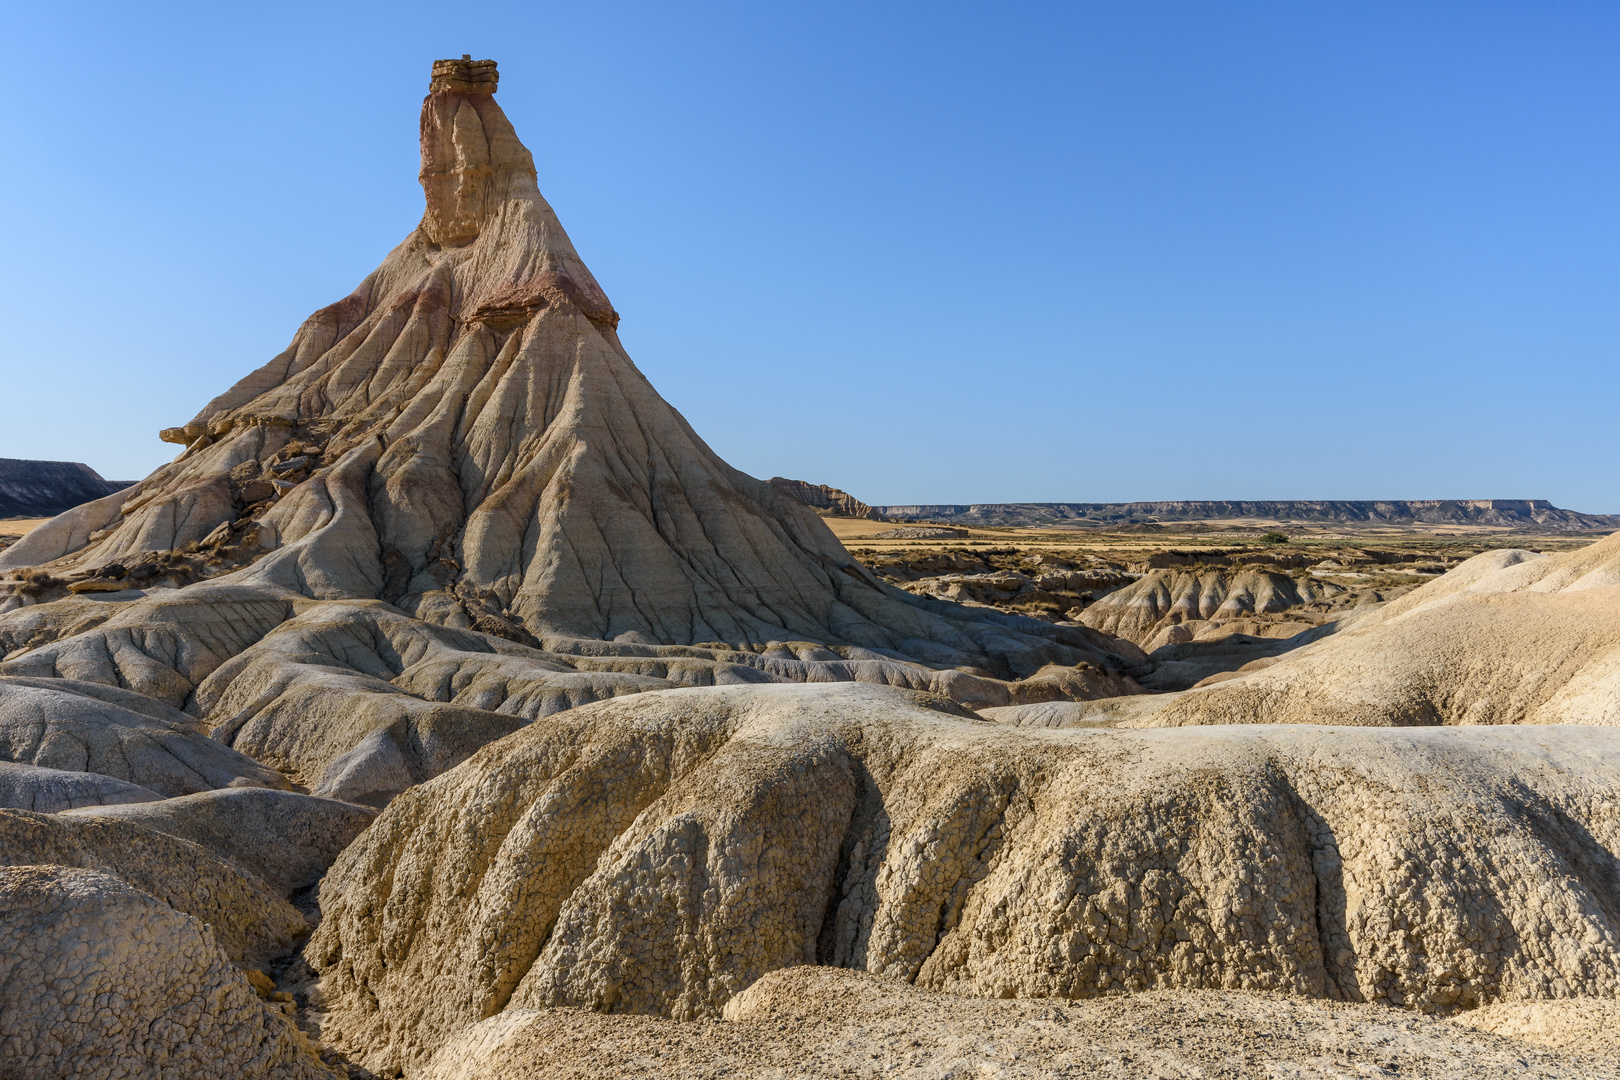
<point>19,526</point>
<point>806,1023</point>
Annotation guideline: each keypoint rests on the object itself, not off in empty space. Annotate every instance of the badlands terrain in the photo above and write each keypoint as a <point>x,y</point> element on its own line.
<point>447,708</point>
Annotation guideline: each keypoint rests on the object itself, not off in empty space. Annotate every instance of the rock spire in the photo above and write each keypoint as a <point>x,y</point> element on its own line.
<point>465,437</point>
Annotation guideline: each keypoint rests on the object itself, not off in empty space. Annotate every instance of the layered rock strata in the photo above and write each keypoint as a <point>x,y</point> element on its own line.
<point>1501,513</point>
<point>40,488</point>
<point>823,497</point>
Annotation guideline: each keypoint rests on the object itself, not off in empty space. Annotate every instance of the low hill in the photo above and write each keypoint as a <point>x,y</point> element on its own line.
<point>44,488</point>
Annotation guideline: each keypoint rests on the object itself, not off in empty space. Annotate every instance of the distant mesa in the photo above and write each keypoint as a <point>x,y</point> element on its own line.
<point>1499,513</point>
<point>46,488</point>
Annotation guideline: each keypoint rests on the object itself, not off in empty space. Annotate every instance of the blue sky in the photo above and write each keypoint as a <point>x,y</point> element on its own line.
<point>925,252</point>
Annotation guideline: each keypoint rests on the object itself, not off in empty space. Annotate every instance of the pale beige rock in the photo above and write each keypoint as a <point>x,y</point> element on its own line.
<point>284,839</point>
<point>1164,598</point>
<point>29,787</point>
<point>814,1022</point>
<point>1509,637</point>
<point>38,624</point>
<point>317,697</point>
<point>252,924</point>
<point>161,645</point>
<point>85,727</point>
<point>1591,1025</point>
<point>98,980</point>
<point>659,853</point>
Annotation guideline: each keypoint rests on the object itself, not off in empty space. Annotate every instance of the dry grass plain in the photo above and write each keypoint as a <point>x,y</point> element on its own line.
<point>861,536</point>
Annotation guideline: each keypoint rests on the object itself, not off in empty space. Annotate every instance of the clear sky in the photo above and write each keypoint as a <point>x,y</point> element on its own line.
<point>929,252</point>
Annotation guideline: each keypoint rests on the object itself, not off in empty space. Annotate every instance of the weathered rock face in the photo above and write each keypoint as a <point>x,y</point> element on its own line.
<point>253,925</point>
<point>100,980</point>
<point>84,727</point>
<point>284,839</point>
<point>824,497</point>
<point>28,787</point>
<point>1164,598</point>
<point>660,853</point>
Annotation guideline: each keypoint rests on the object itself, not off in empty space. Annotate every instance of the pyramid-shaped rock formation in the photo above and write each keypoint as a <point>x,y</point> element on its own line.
<point>464,439</point>
<point>467,436</point>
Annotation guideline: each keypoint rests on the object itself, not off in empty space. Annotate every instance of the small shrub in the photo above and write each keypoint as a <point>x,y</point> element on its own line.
<point>1274,538</point>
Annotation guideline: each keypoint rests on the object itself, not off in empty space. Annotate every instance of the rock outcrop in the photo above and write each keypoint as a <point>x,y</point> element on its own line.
<point>84,727</point>
<point>822,497</point>
<point>253,925</point>
<point>1509,637</point>
<point>28,787</point>
<point>284,839</point>
<point>1200,599</point>
<point>660,853</point>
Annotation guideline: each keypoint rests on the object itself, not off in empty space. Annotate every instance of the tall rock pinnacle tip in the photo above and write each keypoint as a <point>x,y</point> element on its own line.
<point>468,147</point>
<point>464,76</point>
